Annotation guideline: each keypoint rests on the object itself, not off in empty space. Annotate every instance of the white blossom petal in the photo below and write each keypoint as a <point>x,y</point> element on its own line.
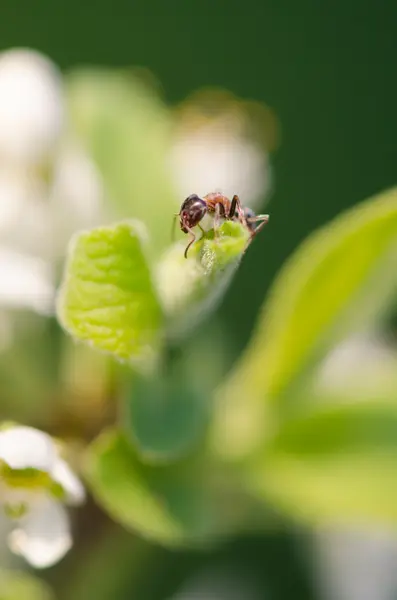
<point>76,198</point>
<point>13,198</point>
<point>15,499</point>
<point>23,447</point>
<point>77,188</point>
<point>365,362</point>
<point>43,536</point>
<point>26,224</point>
<point>26,282</point>
<point>31,106</point>
<point>63,474</point>
<point>355,564</point>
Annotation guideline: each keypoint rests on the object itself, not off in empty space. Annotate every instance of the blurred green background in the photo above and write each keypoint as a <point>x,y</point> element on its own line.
<point>328,70</point>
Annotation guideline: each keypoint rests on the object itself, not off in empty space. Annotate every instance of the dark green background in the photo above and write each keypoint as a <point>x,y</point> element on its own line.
<point>327,68</point>
<point>329,71</point>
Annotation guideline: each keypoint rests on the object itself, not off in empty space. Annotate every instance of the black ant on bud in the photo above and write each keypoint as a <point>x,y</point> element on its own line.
<point>194,209</point>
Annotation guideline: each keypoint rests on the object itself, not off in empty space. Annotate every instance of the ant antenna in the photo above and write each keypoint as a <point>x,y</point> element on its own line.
<point>173,226</point>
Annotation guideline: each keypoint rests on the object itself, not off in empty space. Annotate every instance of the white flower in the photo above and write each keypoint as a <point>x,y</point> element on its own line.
<point>208,160</point>
<point>31,107</point>
<point>359,366</point>
<point>24,215</point>
<point>355,564</point>
<point>26,282</point>
<point>49,187</point>
<point>35,482</point>
<point>77,197</point>
<point>36,223</point>
<point>216,150</point>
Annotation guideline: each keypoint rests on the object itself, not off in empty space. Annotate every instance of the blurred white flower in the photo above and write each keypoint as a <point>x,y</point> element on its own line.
<point>31,107</point>
<point>35,483</point>
<point>25,223</point>
<point>37,220</point>
<point>76,196</point>
<point>12,200</point>
<point>26,282</point>
<point>358,366</point>
<point>217,150</point>
<point>351,564</point>
<point>208,160</point>
<point>48,189</point>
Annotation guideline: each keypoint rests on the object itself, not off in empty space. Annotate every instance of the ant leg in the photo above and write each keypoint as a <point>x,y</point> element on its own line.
<point>217,218</point>
<point>263,220</point>
<point>236,205</point>
<point>191,241</point>
<point>233,205</point>
<point>193,238</point>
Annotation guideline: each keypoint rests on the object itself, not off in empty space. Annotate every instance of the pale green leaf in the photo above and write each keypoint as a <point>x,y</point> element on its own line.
<point>107,298</point>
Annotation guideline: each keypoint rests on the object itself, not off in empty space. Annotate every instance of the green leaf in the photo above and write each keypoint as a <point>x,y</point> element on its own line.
<point>127,130</point>
<point>191,287</point>
<point>166,416</point>
<point>16,585</point>
<point>338,280</point>
<point>107,297</point>
<point>336,464</point>
<point>341,279</point>
<point>170,504</point>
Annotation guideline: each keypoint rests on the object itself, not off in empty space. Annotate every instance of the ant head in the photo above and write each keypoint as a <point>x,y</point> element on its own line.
<point>192,211</point>
<point>249,214</point>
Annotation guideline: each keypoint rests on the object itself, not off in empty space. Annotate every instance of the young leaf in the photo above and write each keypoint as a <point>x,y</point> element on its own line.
<point>190,288</point>
<point>342,278</point>
<point>107,297</point>
<point>337,464</point>
<point>170,503</point>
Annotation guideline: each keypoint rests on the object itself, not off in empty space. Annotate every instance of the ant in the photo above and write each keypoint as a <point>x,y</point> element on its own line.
<point>194,209</point>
